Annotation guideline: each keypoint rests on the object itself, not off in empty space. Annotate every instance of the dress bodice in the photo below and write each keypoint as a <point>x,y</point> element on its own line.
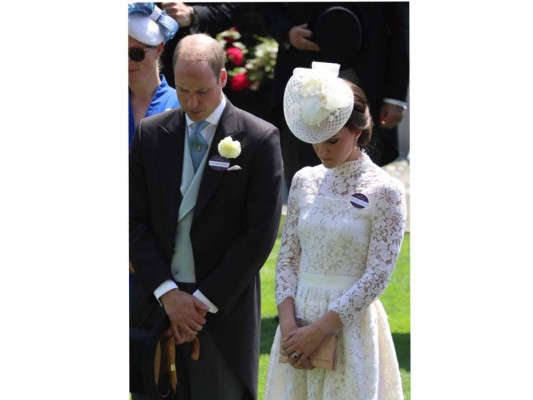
<point>346,221</point>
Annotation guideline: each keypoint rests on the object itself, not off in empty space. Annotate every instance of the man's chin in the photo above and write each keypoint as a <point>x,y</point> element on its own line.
<point>196,115</point>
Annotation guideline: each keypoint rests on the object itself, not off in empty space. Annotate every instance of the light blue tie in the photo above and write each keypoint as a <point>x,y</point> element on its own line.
<point>197,144</point>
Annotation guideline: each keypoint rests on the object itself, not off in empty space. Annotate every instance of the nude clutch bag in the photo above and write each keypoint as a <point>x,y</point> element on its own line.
<point>325,355</point>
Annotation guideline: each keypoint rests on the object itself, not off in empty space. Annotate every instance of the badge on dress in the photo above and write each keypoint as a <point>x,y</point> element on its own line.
<point>359,200</point>
<point>219,163</point>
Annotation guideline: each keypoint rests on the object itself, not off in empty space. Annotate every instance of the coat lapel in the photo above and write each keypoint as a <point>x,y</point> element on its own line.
<point>170,164</point>
<point>227,126</point>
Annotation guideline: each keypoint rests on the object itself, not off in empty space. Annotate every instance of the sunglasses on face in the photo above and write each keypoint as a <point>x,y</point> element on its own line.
<point>137,53</point>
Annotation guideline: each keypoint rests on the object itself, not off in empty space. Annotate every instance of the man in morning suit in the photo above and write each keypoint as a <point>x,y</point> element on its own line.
<point>199,234</point>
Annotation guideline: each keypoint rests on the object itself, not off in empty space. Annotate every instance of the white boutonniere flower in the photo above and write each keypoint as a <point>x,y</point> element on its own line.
<point>229,148</point>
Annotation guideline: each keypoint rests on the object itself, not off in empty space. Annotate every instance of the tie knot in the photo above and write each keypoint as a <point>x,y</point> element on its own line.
<point>198,126</point>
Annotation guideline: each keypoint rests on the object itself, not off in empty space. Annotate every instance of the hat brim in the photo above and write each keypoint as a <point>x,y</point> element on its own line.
<point>339,34</point>
<point>144,30</point>
<point>143,368</point>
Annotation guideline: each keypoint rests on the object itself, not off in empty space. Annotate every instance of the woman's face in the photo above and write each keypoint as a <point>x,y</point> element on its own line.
<point>138,70</point>
<point>338,149</point>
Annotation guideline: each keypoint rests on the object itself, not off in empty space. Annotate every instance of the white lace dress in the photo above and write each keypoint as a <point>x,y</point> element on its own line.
<point>338,252</point>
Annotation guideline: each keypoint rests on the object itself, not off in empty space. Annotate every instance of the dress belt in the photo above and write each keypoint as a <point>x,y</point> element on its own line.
<point>328,281</point>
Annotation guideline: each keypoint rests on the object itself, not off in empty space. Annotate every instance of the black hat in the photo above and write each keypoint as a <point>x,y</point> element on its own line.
<point>339,34</point>
<point>148,369</point>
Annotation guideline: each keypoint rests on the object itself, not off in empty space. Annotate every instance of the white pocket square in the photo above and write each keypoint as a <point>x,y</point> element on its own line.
<point>234,168</point>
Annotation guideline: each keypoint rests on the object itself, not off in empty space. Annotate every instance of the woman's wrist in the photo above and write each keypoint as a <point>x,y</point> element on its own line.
<point>329,323</point>
<point>287,325</point>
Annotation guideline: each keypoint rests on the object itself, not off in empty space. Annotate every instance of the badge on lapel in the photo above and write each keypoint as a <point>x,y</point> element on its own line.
<point>219,163</point>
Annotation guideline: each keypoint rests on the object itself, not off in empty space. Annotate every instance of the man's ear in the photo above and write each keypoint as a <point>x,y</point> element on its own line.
<point>223,77</point>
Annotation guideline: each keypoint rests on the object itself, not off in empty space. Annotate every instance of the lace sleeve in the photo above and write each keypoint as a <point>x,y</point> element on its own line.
<point>288,264</point>
<point>388,225</point>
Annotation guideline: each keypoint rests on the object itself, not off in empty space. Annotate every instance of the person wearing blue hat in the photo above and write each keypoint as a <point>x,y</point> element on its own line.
<point>149,28</point>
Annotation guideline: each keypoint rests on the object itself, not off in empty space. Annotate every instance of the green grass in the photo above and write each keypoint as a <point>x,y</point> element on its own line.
<point>396,301</point>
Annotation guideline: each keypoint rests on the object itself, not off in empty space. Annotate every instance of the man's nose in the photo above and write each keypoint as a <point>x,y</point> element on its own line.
<point>192,100</point>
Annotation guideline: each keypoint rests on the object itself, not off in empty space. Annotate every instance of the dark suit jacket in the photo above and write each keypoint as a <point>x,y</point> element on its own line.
<point>233,231</point>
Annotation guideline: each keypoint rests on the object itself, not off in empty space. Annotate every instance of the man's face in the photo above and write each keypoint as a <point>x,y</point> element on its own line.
<point>199,93</point>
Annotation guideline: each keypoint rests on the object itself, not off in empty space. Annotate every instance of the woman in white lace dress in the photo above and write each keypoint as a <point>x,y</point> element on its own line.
<point>344,229</point>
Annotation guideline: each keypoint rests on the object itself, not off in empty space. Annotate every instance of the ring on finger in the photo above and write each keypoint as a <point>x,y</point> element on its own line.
<point>295,356</point>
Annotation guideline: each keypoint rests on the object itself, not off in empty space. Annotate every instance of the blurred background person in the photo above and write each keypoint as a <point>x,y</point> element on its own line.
<point>149,28</point>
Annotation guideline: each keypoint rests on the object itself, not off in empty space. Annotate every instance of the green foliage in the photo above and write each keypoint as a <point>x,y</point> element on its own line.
<point>396,301</point>
<point>268,276</point>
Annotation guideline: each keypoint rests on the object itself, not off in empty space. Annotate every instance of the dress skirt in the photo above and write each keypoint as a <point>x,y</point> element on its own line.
<point>367,367</point>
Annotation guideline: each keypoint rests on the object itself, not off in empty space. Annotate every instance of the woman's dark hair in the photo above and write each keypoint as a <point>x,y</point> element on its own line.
<point>360,119</point>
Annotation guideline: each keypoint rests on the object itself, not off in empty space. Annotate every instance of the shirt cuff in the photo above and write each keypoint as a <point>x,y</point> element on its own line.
<point>199,295</point>
<point>398,103</point>
<point>166,286</point>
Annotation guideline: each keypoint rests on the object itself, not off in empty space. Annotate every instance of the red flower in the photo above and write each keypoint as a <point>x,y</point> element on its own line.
<point>239,82</point>
<point>235,55</point>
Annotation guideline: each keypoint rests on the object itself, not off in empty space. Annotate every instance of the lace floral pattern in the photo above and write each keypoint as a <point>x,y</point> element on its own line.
<point>335,256</point>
